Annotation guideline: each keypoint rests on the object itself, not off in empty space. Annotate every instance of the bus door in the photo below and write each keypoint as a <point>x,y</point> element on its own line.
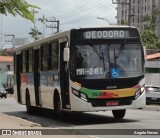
<point>37,76</point>
<point>18,77</point>
<point>64,79</point>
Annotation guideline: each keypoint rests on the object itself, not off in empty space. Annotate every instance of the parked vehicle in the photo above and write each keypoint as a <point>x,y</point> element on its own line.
<point>3,92</point>
<point>152,94</point>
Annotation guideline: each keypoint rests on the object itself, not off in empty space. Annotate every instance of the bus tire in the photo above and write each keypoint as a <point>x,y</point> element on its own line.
<point>57,103</point>
<point>28,104</point>
<point>118,114</point>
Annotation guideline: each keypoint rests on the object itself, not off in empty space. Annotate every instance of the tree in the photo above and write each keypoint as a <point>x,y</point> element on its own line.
<point>158,44</point>
<point>35,33</point>
<point>146,20</point>
<point>17,7</point>
<point>1,53</point>
<point>124,22</point>
<point>43,21</point>
<point>154,18</point>
<point>151,20</point>
<point>150,39</point>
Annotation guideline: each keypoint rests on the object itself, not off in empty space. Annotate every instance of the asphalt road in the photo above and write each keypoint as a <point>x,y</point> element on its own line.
<point>148,118</point>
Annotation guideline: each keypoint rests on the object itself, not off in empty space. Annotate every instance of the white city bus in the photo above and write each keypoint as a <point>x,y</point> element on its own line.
<point>86,69</point>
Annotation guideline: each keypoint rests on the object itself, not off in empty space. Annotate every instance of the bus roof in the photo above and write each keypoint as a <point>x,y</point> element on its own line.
<point>42,40</point>
<point>108,26</point>
<point>65,33</point>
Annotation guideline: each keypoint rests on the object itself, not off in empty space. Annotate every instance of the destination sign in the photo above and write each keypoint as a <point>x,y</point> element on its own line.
<point>107,34</point>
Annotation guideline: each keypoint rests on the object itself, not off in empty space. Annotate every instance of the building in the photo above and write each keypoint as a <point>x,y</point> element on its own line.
<point>6,67</point>
<point>140,13</point>
<point>158,19</point>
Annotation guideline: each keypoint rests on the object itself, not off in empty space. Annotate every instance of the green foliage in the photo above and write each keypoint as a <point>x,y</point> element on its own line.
<point>151,19</point>
<point>17,7</point>
<point>1,53</point>
<point>150,39</point>
<point>124,22</point>
<point>35,33</point>
<point>158,44</point>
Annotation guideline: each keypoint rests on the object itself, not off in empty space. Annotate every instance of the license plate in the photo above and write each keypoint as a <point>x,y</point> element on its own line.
<point>112,103</point>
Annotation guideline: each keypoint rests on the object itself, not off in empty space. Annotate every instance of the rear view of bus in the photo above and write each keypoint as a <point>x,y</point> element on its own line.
<point>106,70</point>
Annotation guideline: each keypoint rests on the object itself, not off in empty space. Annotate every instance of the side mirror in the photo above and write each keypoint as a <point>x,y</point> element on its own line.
<point>66,54</point>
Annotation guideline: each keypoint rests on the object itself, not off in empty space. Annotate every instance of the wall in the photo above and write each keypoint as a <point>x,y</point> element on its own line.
<point>3,77</point>
<point>4,71</point>
<point>152,74</point>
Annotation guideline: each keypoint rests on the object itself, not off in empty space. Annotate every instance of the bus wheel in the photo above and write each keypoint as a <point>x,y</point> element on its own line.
<point>118,114</point>
<point>57,103</point>
<point>28,104</point>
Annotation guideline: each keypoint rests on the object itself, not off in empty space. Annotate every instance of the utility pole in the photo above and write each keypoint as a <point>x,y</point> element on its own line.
<point>12,35</point>
<point>129,8</point>
<point>53,20</point>
<point>7,41</point>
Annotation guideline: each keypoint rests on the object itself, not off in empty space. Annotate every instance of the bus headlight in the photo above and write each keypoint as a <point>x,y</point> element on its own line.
<point>79,95</point>
<point>139,92</point>
<point>83,97</point>
<point>75,92</point>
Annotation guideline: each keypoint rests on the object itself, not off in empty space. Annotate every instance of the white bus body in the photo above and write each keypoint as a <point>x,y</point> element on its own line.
<point>88,69</point>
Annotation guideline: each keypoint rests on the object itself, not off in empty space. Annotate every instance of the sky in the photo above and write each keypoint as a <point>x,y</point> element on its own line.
<point>70,13</point>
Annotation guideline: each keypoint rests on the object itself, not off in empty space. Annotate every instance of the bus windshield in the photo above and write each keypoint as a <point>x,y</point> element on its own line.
<point>106,61</point>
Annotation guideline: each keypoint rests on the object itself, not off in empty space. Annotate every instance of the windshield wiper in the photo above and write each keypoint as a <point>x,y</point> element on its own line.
<point>95,50</point>
<point>97,53</point>
<point>120,50</point>
<point>115,58</point>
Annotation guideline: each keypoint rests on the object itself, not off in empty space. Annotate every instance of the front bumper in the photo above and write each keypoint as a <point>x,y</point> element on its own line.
<point>81,105</point>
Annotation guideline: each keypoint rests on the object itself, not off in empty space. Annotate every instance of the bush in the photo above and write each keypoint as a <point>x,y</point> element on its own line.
<point>150,39</point>
<point>158,44</point>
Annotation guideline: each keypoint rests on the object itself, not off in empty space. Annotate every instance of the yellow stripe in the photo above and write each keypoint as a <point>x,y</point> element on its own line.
<point>122,92</point>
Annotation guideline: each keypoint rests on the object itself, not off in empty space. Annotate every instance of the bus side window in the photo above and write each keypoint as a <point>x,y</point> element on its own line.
<point>55,55</point>
<point>23,61</point>
<point>44,57</point>
<point>30,62</point>
<point>27,61</point>
<point>50,57</point>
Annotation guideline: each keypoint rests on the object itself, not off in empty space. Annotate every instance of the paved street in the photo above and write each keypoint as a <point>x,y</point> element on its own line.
<point>147,118</point>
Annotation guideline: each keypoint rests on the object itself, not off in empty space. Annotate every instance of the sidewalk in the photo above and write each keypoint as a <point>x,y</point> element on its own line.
<point>11,122</point>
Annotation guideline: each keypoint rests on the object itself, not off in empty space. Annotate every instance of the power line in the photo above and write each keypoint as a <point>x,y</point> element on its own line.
<point>87,16</point>
<point>80,9</point>
<point>87,21</point>
<point>87,9</point>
